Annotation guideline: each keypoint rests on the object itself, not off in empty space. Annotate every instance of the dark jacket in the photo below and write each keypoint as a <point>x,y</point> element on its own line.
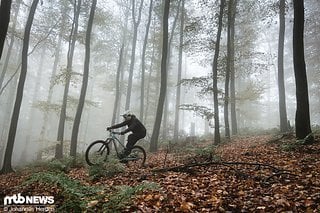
<point>134,125</point>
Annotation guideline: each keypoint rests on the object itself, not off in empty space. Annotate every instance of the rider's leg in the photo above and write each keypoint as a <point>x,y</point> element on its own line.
<point>132,140</point>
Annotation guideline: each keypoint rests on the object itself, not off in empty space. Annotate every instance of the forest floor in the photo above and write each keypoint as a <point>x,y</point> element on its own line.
<point>247,174</point>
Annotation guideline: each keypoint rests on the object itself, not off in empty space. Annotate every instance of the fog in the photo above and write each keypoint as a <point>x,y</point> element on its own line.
<point>256,46</point>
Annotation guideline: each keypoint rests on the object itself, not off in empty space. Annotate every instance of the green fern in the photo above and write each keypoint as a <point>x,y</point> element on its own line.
<point>73,192</point>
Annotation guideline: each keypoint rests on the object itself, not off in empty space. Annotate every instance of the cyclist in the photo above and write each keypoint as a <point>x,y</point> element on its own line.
<point>135,126</point>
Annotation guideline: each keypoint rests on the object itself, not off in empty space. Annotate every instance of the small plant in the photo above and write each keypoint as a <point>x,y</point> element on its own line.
<point>201,154</point>
<point>289,147</point>
<point>72,191</point>
<point>124,194</point>
<point>109,168</point>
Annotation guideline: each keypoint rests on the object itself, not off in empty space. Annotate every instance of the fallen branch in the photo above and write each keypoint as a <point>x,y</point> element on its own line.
<point>224,163</point>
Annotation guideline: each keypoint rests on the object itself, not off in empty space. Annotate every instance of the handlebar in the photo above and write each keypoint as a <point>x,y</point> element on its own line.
<point>115,133</point>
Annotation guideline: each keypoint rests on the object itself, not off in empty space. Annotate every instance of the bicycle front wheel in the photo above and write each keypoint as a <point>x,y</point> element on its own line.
<point>97,152</point>
<point>137,156</point>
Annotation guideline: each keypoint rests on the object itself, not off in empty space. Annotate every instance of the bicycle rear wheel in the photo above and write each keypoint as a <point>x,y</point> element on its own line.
<point>137,156</point>
<point>97,152</point>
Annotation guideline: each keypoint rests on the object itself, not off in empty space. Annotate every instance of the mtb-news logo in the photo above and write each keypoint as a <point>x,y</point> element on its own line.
<point>35,203</point>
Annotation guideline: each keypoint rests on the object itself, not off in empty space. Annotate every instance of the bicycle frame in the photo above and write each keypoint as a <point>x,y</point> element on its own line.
<point>114,139</point>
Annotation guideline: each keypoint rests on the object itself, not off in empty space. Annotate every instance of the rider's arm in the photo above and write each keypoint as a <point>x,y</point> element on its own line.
<point>118,125</point>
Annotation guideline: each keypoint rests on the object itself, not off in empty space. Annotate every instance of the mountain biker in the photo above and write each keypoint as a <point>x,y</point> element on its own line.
<point>135,126</point>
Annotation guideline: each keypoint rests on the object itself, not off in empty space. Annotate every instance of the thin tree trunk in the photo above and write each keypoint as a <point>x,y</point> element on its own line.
<point>5,8</point>
<point>227,81</point>
<point>167,98</point>
<point>143,65</point>
<point>12,38</point>
<point>215,76</point>
<point>302,124</point>
<point>133,50</point>
<point>63,112</point>
<point>163,88</point>
<point>35,93</point>
<point>76,124</point>
<point>178,92</point>
<point>50,93</point>
<point>7,167</point>
<point>117,98</point>
<point>281,86</point>
<point>149,81</point>
<point>121,65</point>
<point>233,114</point>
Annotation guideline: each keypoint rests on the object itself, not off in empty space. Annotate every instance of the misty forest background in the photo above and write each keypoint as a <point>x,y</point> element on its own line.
<point>212,69</point>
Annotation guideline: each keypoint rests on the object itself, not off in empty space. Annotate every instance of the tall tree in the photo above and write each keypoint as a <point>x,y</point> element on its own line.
<point>121,64</point>
<point>76,124</point>
<point>12,39</point>
<point>233,113</point>
<point>143,63</point>
<point>117,95</point>
<point>5,8</point>
<point>57,51</point>
<point>281,86</point>
<point>178,92</point>
<point>229,58</point>
<point>302,120</point>
<point>7,167</point>
<point>63,112</point>
<point>167,98</point>
<point>163,87</point>
<point>136,23</point>
<point>215,76</point>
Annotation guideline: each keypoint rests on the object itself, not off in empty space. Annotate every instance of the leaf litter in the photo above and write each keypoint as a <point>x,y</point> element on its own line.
<point>251,175</point>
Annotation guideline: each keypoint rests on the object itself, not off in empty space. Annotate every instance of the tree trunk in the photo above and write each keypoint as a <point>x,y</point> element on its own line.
<point>5,9</point>
<point>76,124</point>
<point>215,76</point>
<point>35,95</point>
<point>227,81</point>
<point>63,112</point>
<point>7,167</point>
<point>133,50</point>
<point>281,85</point>
<point>163,87</point>
<point>234,125</point>
<point>149,81</point>
<point>121,65</point>
<point>12,38</point>
<point>52,76</point>
<point>167,98</point>
<point>178,92</point>
<point>117,98</point>
<point>143,65</point>
<point>302,124</point>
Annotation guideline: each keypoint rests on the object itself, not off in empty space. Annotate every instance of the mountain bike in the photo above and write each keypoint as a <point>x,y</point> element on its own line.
<point>99,151</point>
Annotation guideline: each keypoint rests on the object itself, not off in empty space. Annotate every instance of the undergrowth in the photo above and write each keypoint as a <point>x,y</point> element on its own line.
<point>59,165</point>
<point>73,193</point>
<point>124,194</point>
<point>109,168</point>
<point>73,196</point>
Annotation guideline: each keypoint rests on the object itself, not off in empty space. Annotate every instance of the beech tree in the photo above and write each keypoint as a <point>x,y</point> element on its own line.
<point>163,86</point>
<point>281,86</point>
<point>302,120</point>
<point>5,9</point>
<point>7,167</point>
<point>215,76</point>
<point>63,111</point>
<point>85,78</point>
<point>136,23</point>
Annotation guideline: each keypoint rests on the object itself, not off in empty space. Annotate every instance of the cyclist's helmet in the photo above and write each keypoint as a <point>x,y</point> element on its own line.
<point>126,114</point>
